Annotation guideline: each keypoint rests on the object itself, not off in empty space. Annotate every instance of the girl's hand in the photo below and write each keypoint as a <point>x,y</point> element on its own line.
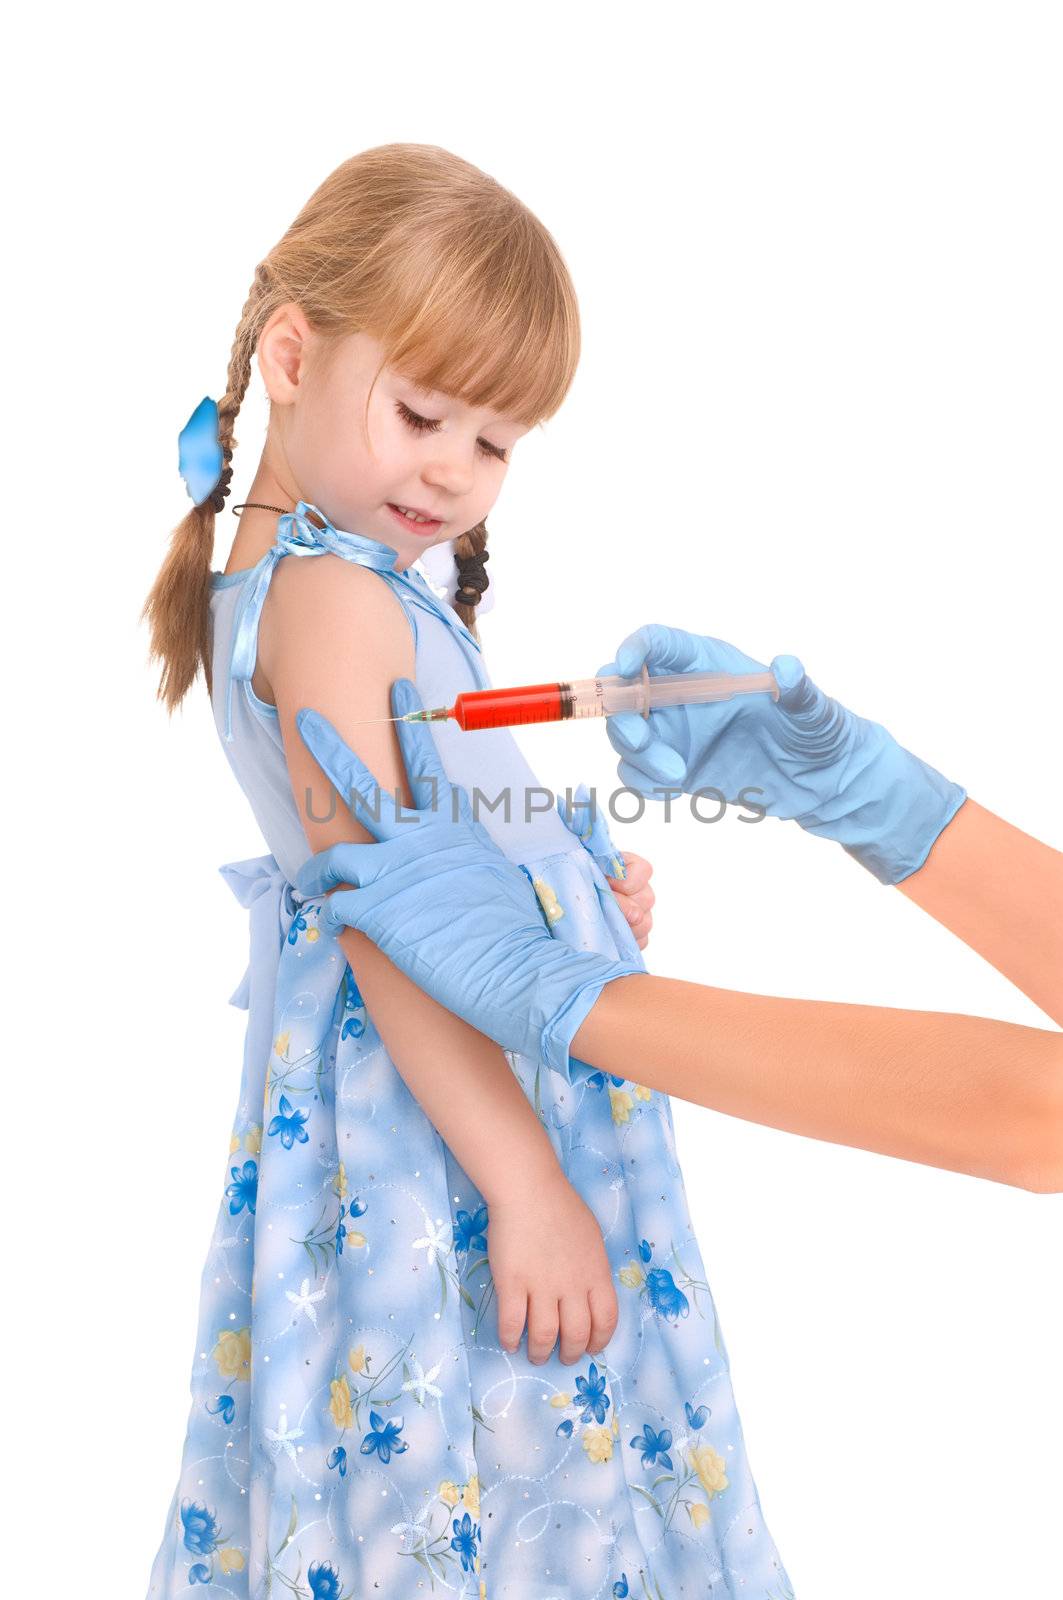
<point>550,1268</point>
<point>634,895</point>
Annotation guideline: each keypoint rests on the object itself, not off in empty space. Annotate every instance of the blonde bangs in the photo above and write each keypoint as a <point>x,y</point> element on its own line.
<point>491,320</point>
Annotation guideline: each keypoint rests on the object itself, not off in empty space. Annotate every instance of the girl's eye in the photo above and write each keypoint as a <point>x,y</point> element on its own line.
<point>426,425</point>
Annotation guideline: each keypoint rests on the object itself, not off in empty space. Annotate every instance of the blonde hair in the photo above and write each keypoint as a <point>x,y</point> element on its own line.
<point>464,288</point>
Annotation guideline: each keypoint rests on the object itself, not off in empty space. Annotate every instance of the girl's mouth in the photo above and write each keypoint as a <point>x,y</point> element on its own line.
<point>426,530</point>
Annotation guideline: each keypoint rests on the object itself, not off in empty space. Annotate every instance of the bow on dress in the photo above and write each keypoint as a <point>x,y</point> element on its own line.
<point>260,885</point>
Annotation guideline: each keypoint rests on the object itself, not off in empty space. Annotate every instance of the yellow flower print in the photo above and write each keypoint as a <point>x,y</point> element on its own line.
<point>356,1358</point>
<point>253,1139</point>
<point>353,1240</point>
<point>641,1092</point>
<point>710,1469</point>
<point>598,1444</point>
<point>281,1043</point>
<point>632,1277</point>
<point>471,1495</point>
<point>233,1353</point>
<point>234,1143</point>
<point>231,1560</point>
<point>553,910</point>
<point>621,1103</point>
<point>699,1514</point>
<point>483,1589</point>
<point>312,934</point>
<point>615,1427</point>
<point>449,1492</point>
<point>339,1182</point>
<point>340,1404</point>
<point>560,1399</point>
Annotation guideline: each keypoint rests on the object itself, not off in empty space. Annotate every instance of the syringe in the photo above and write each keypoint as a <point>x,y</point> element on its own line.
<point>591,697</point>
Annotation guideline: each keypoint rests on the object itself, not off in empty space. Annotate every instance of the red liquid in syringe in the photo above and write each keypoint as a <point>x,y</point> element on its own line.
<point>509,708</point>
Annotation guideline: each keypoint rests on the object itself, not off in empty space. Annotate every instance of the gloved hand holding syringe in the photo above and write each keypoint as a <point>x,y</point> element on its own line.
<point>591,697</point>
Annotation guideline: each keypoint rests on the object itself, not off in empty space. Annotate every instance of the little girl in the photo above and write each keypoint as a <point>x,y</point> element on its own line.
<point>454,1329</point>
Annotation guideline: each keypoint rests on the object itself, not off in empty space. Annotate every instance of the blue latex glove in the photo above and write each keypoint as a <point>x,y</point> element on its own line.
<point>445,904</point>
<point>803,756</point>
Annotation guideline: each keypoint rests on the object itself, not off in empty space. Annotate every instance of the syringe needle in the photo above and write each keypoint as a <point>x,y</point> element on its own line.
<point>438,715</point>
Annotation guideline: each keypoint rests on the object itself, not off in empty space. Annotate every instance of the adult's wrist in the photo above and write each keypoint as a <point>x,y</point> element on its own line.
<point>559,1031</point>
<point>892,833</point>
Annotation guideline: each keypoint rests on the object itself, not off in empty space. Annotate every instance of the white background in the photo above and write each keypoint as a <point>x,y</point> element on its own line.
<point>818,250</point>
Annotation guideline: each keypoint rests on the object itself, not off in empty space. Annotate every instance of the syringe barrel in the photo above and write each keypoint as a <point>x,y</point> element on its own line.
<point>606,696</point>
<point>509,708</point>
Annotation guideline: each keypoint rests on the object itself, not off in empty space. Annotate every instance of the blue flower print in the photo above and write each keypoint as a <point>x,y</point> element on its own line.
<point>224,1406</point>
<point>564,1429</point>
<point>469,1230</point>
<point>383,1437</point>
<point>354,1010</point>
<point>665,1298</point>
<point>324,1580</point>
<point>620,1588</point>
<point>289,1124</point>
<point>654,1446</point>
<point>337,1458</point>
<point>645,1249</point>
<point>464,1541</point>
<point>243,1191</point>
<point>201,1528</point>
<point>592,1395</point>
<point>696,1419</point>
<point>298,926</point>
<point>357,1208</point>
<point>199,1573</point>
<point>597,1080</point>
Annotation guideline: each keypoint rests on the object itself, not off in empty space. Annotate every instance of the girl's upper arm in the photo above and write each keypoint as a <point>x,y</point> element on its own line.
<point>334,636</point>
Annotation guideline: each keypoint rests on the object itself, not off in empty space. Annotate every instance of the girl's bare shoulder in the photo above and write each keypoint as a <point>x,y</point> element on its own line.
<point>323,608</point>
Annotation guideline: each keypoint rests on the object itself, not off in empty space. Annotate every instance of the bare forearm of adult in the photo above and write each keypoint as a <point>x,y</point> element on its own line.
<point>1001,892</point>
<point>460,1078</point>
<point>969,1094</point>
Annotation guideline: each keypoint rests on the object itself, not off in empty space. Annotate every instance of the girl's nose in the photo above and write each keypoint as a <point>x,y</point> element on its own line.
<point>452,472</point>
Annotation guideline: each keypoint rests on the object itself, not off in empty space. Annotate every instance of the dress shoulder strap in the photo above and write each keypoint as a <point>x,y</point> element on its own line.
<point>298,535</point>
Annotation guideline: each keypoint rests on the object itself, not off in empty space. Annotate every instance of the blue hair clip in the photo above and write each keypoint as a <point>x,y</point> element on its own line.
<point>201,458</point>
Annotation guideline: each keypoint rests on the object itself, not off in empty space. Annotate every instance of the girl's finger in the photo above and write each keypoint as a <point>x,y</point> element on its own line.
<point>605,1314</point>
<point>512,1307</point>
<point>544,1321</point>
<point>575,1327</point>
<point>639,872</point>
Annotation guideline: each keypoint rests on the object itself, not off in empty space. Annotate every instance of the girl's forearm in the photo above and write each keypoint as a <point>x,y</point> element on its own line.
<point>1001,892</point>
<point>460,1078</point>
<point>966,1093</point>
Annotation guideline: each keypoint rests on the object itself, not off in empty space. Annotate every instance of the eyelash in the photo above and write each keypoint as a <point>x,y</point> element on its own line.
<point>424,425</point>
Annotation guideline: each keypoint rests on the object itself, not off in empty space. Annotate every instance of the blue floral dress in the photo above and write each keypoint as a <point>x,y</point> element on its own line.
<point>355,1428</point>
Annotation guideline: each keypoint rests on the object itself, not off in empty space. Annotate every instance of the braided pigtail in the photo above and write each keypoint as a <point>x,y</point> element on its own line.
<point>178,607</point>
<point>470,554</point>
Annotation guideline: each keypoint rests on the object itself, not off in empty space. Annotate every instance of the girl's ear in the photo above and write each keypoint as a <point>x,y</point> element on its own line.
<point>283,346</point>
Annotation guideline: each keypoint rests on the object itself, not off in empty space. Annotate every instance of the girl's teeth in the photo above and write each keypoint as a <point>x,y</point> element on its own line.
<point>412,515</point>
